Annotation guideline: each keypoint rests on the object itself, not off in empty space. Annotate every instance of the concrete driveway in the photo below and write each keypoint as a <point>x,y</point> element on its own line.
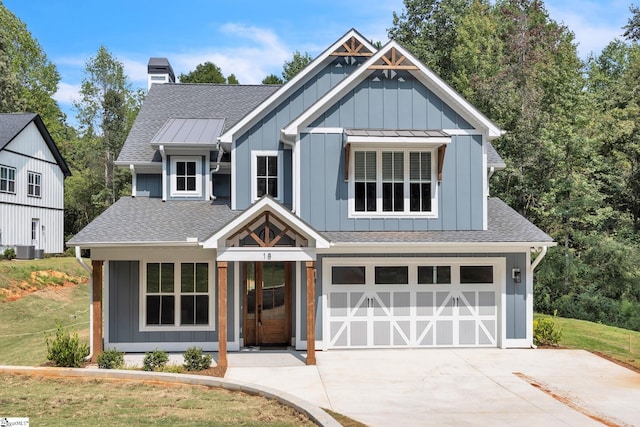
<point>454,386</point>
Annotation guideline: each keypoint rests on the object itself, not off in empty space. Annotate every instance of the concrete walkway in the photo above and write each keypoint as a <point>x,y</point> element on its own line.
<point>454,386</point>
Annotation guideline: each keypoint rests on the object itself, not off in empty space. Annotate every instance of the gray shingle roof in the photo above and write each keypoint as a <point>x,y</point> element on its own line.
<point>13,123</point>
<point>148,220</point>
<point>171,101</point>
<point>493,158</point>
<point>504,226</point>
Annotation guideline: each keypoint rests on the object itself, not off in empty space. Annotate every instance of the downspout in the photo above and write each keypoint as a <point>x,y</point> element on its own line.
<point>220,152</point>
<point>164,173</point>
<point>534,264</point>
<point>134,180</point>
<point>90,271</point>
<point>294,170</point>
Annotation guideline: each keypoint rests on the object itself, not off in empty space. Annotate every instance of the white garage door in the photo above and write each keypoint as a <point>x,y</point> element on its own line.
<point>417,304</point>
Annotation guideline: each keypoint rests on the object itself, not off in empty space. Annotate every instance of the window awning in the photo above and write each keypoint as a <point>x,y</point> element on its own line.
<point>396,136</point>
<point>188,132</point>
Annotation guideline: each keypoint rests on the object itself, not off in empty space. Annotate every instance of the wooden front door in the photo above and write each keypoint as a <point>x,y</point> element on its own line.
<point>267,305</point>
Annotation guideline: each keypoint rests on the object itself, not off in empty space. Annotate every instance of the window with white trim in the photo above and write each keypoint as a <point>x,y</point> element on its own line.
<point>177,295</point>
<point>7,179</point>
<point>34,188</point>
<point>397,182</point>
<point>266,170</point>
<point>186,176</point>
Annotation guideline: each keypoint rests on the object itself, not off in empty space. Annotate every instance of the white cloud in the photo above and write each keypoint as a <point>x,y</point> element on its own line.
<point>250,63</point>
<point>67,93</point>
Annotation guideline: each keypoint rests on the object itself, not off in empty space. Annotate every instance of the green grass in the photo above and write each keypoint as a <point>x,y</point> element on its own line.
<point>56,401</point>
<point>616,343</point>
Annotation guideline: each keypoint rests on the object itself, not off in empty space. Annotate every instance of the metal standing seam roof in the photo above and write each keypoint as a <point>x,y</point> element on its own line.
<point>397,133</point>
<point>147,220</point>
<point>175,101</point>
<point>192,130</point>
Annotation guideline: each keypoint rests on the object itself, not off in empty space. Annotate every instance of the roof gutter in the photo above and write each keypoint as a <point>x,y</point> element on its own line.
<point>90,271</point>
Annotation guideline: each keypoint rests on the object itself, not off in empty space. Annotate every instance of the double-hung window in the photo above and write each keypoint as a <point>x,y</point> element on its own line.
<point>186,180</point>
<point>266,170</point>
<point>177,295</point>
<point>7,179</point>
<point>34,184</point>
<point>396,182</point>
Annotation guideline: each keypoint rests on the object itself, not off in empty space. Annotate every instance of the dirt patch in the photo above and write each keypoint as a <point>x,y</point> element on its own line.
<point>42,280</point>
<point>617,361</point>
<point>214,371</point>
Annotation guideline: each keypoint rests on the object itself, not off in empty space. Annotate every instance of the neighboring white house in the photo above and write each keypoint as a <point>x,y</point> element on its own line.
<point>32,173</point>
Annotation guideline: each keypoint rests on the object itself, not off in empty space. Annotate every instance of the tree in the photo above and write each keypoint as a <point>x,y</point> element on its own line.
<point>272,79</point>
<point>10,100</point>
<point>207,72</point>
<point>428,29</point>
<point>105,112</point>
<point>297,63</point>
<point>632,29</point>
<point>36,76</point>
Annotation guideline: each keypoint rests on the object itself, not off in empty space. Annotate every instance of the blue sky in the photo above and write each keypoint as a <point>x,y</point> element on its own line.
<point>248,38</point>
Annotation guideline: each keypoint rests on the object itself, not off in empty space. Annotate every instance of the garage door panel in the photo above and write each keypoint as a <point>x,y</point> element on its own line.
<point>358,333</point>
<point>487,332</point>
<point>382,334</point>
<point>402,333</point>
<point>339,333</point>
<point>401,304</point>
<point>444,306</point>
<point>444,332</point>
<point>338,303</point>
<point>467,303</point>
<point>424,333</point>
<point>487,303</point>
<point>359,304</point>
<point>424,303</point>
<point>382,304</point>
<point>467,332</point>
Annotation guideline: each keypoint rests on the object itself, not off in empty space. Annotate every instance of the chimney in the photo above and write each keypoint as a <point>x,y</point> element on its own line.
<point>159,71</point>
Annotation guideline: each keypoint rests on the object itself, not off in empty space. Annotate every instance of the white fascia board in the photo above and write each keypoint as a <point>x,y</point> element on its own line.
<point>433,247</point>
<point>256,209</point>
<point>266,254</point>
<point>292,85</point>
<point>424,74</point>
<point>141,167</point>
<point>89,245</point>
<point>391,140</point>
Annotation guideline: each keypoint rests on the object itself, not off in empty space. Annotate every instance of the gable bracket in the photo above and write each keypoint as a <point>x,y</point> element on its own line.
<point>352,49</point>
<point>441,151</point>
<point>392,62</point>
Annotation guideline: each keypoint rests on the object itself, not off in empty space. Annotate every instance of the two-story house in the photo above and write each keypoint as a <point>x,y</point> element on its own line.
<point>32,173</point>
<point>348,208</point>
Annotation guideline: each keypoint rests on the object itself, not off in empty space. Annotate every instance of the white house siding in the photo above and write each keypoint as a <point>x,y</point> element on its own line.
<point>28,152</point>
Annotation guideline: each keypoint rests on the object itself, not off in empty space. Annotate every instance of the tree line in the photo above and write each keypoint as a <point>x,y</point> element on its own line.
<point>572,141</point>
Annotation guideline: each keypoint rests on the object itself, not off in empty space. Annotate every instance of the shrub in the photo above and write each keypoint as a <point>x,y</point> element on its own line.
<point>9,254</point>
<point>194,360</point>
<point>172,369</point>
<point>545,332</point>
<point>65,349</point>
<point>111,359</point>
<point>155,360</point>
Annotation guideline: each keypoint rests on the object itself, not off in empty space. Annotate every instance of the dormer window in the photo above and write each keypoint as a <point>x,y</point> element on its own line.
<point>186,180</point>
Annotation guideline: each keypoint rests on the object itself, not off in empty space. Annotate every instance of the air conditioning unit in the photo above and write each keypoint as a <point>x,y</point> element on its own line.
<point>38,253</point>
<point>25,252</point>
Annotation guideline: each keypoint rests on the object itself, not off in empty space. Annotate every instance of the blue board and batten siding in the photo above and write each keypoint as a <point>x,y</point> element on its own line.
<point>324,194</point>
<point>148,185</point>
<point>125,306</point>
<point>265,135</point>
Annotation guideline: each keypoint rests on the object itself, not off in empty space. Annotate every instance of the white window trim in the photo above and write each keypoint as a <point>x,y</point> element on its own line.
<point>379,213</point>
<point>38,185</point>
<point>174,179</point>
<point>143,327</point>
<point>15,173</point>
<point>254,172</point>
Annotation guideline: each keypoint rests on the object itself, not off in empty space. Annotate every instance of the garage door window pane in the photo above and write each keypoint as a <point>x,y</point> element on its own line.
<point>348,275</point>
<point>431,275</point>
<point>392,275</point>
<point>476,274</point>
